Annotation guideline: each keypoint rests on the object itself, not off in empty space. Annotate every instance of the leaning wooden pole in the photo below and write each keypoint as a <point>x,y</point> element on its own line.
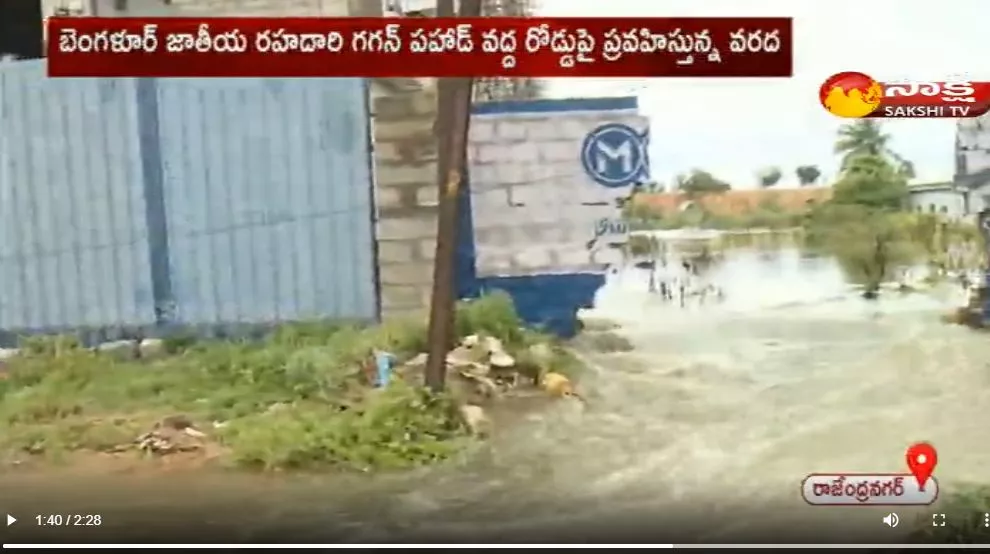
<point>453,119</point>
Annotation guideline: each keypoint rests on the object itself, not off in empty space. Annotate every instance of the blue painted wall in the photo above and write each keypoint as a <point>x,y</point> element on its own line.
<point>266,196</point>
<point>130,206</point>
<point>549,300</point>
<point>74,249</point>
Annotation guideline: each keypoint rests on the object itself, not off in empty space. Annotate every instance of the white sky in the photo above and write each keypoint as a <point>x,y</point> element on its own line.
<point>742,125</point>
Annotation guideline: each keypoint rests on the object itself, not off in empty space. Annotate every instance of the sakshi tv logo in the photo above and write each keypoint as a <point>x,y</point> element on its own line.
<point>855,95</point>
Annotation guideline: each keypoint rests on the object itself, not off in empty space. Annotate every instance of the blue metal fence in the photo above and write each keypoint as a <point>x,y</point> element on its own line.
<point>135,204</point>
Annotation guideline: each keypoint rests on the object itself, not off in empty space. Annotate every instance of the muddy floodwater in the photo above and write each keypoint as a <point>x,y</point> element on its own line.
<point>703,433</point>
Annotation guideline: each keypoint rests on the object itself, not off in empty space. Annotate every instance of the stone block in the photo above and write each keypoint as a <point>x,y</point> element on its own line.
<point>427,196</point>
<point>404,106</point>
<point>409,227</point>
<point>389,197</point>
<point>534,257</point>
<point>413,273</point>
<point>121,349</point>
<point>401,297</point>
<point>396,251</point>
<point>399,174</point>
<point>512,130</point>
<point>560,151</point>
<point>421,128</point>
<point>482,129</point>
<point>406,151</point>
<point>489,153</point>
<point>426,249</point>
<point>543,129</point>
<point>152,348</point>
<point>493,263</point>
<point>417,313</point>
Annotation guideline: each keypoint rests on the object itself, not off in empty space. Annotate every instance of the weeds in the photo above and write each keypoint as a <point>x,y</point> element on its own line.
<point>299,399</point>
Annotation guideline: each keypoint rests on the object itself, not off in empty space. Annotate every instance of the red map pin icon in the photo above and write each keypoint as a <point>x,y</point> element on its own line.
<point>921,460</point>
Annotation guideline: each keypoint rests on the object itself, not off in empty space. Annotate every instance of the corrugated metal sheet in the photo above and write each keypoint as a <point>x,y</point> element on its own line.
<point>267,199</point>
<point>130,203</point>
<point>73,246</point>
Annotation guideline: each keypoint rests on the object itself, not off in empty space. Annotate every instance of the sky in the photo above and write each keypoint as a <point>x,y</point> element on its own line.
<point>750,124</point>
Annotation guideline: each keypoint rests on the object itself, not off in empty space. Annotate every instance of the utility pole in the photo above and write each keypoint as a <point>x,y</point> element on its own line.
<point>453,119</point>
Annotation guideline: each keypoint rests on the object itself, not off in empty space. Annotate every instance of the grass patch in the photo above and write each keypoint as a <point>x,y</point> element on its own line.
<point>964,519</point>
<point>299,399</point>
<point>535,352</point>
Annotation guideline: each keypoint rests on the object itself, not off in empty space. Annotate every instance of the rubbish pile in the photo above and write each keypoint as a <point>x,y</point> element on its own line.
<point>480,370</point>
<point>171,435</point>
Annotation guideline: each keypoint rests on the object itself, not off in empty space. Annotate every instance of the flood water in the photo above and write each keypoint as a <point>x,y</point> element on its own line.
<point>703,433</point>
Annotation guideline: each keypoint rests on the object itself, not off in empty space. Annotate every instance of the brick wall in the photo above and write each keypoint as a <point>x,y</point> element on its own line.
<point>406,196</point>
<point>534,206</point>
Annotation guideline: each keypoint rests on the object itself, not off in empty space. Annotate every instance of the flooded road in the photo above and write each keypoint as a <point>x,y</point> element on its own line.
<point>703,433</point>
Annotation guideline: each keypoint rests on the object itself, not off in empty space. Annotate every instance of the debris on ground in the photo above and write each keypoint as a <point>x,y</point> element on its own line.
<point>480,370</point>
<point>171,435</point>
<point>971,314</point>
<point>559,385</point>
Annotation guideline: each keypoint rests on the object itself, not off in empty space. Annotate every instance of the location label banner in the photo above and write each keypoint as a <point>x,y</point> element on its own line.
<point>419,47</point>
<point>854,489</point>
<point>918,487</point>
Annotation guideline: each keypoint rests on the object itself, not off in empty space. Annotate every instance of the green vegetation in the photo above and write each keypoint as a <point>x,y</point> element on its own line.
<point>807,174</point>
<point>865,138</point>
<point>865,225</point>
<point>768,215</point>
<point>769,177</point>
<point>700,182</point>
<point>300,399</point>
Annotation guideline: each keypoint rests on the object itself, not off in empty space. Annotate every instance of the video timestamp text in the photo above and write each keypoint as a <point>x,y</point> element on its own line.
<point>68,520</point>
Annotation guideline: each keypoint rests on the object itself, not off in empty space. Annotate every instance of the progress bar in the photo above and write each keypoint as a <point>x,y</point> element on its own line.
<point>494,546</point>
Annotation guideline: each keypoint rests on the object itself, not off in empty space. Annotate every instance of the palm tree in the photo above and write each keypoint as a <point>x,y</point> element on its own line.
<point>865,138</point>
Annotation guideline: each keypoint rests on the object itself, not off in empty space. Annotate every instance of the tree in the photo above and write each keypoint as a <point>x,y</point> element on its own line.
<point>700,182</point>
<point>866,138</point>
<point>871,181</point>
<point>807,174</point>
<point>769,176</point>
<point>869,243</point>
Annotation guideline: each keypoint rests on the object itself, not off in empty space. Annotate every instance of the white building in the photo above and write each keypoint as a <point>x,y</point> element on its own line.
<point>969,192</point>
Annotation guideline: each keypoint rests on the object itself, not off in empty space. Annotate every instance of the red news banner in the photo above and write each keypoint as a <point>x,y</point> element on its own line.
<point>436,47</point>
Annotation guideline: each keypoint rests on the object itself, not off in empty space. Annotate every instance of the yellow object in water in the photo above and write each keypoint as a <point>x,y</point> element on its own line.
<point>559,385</point>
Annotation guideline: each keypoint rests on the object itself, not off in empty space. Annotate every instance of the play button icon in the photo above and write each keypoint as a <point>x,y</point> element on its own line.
<point>10,520</point>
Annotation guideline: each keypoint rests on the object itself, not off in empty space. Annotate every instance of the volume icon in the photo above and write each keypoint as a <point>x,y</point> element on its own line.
<point>891,519</point>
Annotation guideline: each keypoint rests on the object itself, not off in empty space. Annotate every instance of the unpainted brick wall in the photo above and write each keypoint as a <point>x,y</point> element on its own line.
<point>406,194</point>
<point>534,207</point>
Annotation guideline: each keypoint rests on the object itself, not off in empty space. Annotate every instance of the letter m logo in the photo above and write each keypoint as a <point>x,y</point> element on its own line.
<point>621,154</point>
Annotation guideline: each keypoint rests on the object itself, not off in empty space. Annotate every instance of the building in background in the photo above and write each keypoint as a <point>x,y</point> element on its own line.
<point>973,163</point>
<point>486,89</point>
<point>969,191</point>
<point>491,89</point>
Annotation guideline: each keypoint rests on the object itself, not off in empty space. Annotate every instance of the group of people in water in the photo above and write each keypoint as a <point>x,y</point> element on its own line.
<point>679,282</point>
